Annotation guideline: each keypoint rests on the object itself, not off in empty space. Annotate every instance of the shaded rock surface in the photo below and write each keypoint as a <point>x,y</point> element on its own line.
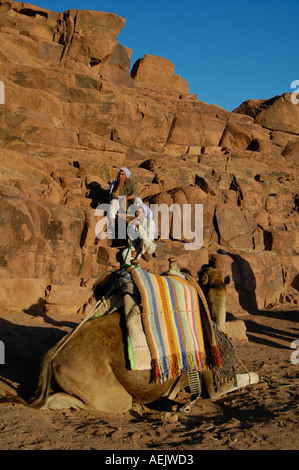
<point>74,114</point>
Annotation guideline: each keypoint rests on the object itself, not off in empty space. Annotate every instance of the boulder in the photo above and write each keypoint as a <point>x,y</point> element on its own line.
<point>278,113</point>
<point>290,152</point>
<point>195,130</point>
<point>233,227</point>
<point>157,71</point>
<point>22,294</point>
<point>66,300</point>
<point>236,329</point>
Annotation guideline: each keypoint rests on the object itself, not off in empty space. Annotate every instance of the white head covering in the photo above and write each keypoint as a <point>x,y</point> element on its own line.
<point>126,171</point>
<point>148,213</point>
<point>150,216</point>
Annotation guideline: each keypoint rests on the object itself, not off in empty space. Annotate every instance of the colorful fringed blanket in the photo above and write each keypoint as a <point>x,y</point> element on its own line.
<point>171,318</point>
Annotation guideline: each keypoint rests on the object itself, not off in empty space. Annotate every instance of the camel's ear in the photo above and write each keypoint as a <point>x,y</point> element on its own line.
<point>226,280</point>
<point>203,278</point>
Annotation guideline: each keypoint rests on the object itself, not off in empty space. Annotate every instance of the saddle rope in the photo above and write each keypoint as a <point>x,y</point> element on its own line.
<point>195,380</point>
<point>100,308</point>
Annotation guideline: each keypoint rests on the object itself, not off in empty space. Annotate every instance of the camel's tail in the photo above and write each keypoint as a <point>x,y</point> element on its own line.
<point>46,371</point>
<point>10,398</point>
<point>45,377</point>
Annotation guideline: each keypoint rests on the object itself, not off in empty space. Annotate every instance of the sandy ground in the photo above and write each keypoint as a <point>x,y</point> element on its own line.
<point>258,417</point>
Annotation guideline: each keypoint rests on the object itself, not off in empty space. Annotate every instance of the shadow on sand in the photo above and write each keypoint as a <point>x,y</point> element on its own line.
<point>25,347</point>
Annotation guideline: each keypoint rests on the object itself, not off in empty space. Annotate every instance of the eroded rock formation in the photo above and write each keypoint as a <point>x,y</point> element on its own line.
<point>74,114</point>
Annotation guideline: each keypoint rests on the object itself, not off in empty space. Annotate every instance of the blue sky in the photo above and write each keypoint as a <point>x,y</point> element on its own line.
<point>227,50</point>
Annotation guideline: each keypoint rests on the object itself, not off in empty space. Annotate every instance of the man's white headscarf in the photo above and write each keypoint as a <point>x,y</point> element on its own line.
<point>148,213</point>
<point>126,171</point>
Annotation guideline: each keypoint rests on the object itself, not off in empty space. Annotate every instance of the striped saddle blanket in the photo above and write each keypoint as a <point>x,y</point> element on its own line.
<point>172,324</point>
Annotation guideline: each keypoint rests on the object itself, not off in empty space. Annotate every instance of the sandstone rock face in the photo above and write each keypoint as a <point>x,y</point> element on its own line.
<point>159,72</point>
<point>73,115</point>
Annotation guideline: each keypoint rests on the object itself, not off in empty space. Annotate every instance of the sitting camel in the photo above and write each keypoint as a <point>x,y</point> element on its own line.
<point>89,367</point>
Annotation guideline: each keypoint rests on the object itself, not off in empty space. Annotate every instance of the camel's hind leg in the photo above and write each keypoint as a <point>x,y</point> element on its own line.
<point>59,401</point>
<point>103,392</point>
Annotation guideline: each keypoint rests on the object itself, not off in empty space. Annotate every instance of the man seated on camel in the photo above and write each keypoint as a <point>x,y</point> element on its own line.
<point>141,235</point>
<point>123,187</point>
